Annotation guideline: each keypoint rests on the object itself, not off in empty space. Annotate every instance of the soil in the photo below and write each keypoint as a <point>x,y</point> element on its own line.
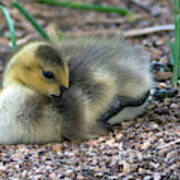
<point>146,148</point>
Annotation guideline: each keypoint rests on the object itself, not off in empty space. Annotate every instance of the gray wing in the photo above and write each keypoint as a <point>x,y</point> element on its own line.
<point>120,103</point>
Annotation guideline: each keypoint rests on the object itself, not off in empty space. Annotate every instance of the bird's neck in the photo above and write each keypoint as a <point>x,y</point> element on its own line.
<point>10,77</point>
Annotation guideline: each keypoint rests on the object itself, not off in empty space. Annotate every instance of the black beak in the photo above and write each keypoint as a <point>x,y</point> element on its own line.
<point>62,90</point>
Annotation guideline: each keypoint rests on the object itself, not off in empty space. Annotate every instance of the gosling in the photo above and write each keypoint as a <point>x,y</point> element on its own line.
<point>76,89</point>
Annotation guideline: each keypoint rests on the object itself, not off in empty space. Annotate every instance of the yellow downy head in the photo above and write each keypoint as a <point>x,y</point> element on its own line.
<point>38,66</point>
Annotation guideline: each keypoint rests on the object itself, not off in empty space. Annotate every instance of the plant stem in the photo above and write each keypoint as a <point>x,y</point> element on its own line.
<point>177,42</point>
<point>31,19</point>
<point>87,7</point>
<point>11,28</point>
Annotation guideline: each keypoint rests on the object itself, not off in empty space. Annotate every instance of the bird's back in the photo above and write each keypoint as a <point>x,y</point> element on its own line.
<point>100,70</point>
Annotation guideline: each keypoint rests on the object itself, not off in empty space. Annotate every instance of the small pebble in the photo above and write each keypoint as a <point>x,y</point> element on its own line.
<point>141,170</point>
<point>146,145</point>
<point>147,178</point>
<point>119,136</point>
<point>126,167</point>
<point>157,176</point>
<point>163,85</point>
<point>79,177</point>
<point>174,106</point>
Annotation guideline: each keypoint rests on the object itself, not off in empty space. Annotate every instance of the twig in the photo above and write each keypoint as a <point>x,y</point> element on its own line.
<point>149,30</point>
<point>27,38</point>
<point>130,33</point>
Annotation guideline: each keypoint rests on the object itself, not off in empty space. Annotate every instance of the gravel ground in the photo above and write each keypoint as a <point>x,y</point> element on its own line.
<point>147,148</point>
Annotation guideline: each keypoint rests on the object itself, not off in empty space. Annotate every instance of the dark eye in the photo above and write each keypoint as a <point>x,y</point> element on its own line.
<point>48,74</point>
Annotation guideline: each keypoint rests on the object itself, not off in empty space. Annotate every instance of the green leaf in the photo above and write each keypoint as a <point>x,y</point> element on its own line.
<point>177,42</point>
<point>87,7</point>
<point>11,28</point>
<point>172,51</point>
<point>31,19</point>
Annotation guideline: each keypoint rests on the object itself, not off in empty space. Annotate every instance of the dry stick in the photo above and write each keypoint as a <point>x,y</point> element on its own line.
<point>130,33</point>
<point>150,30</point>
<point>27,38</point>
